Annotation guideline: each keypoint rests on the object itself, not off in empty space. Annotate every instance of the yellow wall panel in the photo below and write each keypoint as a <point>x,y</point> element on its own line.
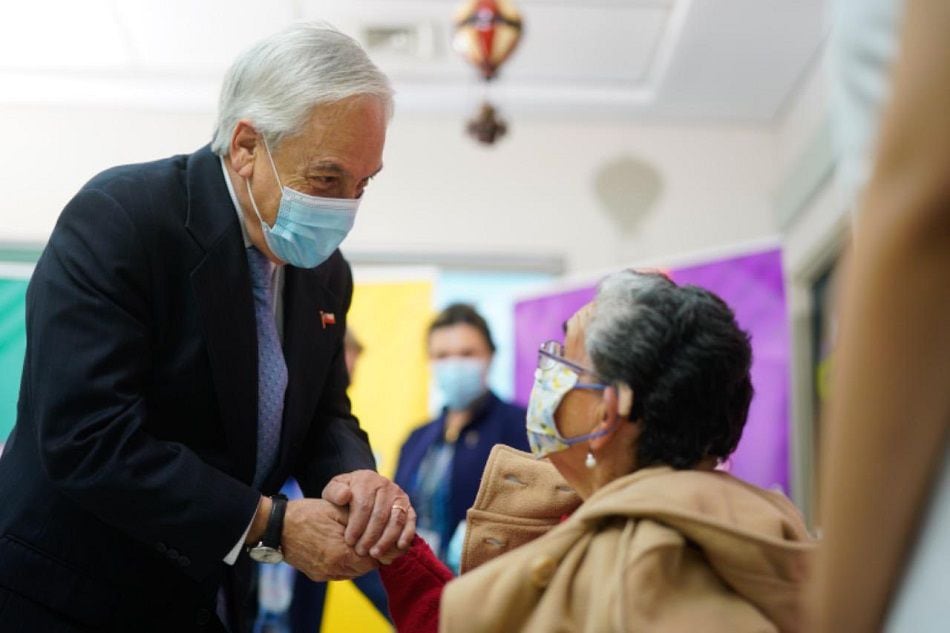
<point>349,611</point>
<point>390,397</point>
<point>391,382</point>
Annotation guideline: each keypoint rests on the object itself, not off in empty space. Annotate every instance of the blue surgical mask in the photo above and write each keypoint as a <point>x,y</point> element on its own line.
<point>461,381</point>
<point>308,228</point>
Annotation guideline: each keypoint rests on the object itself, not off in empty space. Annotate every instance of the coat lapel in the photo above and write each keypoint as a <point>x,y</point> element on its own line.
<point>222,289</point>
<point>308,350</point>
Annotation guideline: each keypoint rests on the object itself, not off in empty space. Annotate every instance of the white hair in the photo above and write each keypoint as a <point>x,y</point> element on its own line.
<point>277,82</point>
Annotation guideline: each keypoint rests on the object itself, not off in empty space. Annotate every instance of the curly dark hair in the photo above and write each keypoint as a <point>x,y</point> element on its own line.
<point>681,351</point>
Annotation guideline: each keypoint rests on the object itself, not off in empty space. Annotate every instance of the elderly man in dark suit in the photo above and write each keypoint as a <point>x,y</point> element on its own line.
<point>185,356</point>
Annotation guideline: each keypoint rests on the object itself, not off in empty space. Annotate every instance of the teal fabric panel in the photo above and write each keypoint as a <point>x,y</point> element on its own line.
<point>12,348</point>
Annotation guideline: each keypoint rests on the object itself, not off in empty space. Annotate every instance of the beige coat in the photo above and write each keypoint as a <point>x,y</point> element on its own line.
<point>655,551</point>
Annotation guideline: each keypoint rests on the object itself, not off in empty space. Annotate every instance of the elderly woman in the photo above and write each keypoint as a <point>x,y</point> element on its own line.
<point>648,393</point>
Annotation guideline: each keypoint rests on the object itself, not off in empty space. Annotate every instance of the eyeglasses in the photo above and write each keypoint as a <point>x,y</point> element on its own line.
<point>551,353</point>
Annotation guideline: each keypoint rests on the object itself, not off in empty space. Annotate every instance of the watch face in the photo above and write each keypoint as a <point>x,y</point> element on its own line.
<point>264,554</point>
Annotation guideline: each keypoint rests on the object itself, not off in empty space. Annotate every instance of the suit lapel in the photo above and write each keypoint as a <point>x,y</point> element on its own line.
<point>222,289</point>
<point>308,350</point>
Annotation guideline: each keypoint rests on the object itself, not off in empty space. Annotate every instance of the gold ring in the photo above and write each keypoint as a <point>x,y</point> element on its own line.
<point>396,506</point>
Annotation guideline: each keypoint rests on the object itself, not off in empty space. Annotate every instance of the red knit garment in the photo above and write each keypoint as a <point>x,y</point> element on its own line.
<point>414,584</point>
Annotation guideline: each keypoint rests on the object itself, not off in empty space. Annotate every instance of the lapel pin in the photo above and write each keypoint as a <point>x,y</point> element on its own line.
<point>327,318</point>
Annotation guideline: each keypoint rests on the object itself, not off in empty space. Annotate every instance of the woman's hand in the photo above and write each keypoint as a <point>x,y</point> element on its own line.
<point>381,522</point>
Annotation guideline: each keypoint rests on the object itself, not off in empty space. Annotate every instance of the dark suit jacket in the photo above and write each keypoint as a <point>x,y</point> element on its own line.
<point>126,479</point>
<point>495,422</point>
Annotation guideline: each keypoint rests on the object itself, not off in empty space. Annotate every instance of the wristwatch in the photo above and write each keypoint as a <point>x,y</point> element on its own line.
<point>268,549</point>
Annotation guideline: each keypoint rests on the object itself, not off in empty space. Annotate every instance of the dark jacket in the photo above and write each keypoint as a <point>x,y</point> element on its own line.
<point>126,479</point>
<point>495,422</point>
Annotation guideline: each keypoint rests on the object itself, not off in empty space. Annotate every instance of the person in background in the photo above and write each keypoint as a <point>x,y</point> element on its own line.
<point>441,462</point>
<point>633,412</point>
<point>885,485</point>
<point>352,350</point>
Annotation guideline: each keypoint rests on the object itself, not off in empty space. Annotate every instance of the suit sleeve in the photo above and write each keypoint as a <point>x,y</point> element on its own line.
<point>88,360</point>
<point>335,443</point>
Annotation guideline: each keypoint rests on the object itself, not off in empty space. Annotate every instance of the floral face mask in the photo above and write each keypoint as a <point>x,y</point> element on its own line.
<point>553,379</point>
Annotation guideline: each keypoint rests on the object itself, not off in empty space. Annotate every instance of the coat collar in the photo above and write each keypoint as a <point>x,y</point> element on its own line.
<point>210,210</point>
<point>483,408</point>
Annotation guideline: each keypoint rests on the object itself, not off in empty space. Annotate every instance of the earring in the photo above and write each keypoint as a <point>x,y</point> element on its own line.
<point>591,461</point>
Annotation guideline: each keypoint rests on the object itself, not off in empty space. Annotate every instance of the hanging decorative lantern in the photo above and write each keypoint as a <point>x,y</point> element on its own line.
<point>486,33</point>
<point>486,127</point>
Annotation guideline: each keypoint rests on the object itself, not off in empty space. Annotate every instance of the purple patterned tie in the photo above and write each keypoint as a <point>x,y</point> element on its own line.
<point>271,367</point>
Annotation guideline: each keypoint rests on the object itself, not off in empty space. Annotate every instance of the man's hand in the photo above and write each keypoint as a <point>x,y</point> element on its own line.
<point>382,523</point>
<point>312,542</point>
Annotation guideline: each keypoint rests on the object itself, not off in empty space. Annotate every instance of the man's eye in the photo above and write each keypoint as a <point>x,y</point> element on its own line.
<point>324,181</point>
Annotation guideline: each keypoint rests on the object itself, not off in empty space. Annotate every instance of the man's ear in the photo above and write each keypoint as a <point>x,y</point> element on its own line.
<point>243,148</point>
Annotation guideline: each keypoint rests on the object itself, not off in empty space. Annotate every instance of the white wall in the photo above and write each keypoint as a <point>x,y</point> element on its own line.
<point>51,151</point>
<point>532,194</point>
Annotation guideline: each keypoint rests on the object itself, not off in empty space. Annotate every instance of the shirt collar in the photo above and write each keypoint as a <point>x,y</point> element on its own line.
<point>237,204</point>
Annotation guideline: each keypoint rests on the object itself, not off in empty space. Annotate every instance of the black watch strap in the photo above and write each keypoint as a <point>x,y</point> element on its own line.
<point>275,522</point>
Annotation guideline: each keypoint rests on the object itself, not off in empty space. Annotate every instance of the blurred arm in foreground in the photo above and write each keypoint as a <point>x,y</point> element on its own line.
<point>888,417</point>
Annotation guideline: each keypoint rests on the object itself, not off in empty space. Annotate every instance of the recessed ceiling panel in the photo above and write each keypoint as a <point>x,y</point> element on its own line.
<point>587,42</point>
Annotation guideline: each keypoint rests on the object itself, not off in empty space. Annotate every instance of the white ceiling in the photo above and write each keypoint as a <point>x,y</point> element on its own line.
<point>694,60</point>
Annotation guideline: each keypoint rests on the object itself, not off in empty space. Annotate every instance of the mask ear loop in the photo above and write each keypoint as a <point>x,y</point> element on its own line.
<point>247,183</point>
<point>624,406</point>
<point>570,441</point>
<point>273,165</point>
<point>257,212</point>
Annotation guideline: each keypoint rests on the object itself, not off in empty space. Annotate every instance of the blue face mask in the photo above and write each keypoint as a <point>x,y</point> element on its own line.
<point>461,381</point>
<point>308,228</point>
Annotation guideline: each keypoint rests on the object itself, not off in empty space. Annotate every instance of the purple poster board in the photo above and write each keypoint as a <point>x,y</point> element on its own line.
<point>539,320</point>
<point>753,286</point>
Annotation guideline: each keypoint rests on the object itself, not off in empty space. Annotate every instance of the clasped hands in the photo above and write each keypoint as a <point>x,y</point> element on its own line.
<point>361,521</point>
